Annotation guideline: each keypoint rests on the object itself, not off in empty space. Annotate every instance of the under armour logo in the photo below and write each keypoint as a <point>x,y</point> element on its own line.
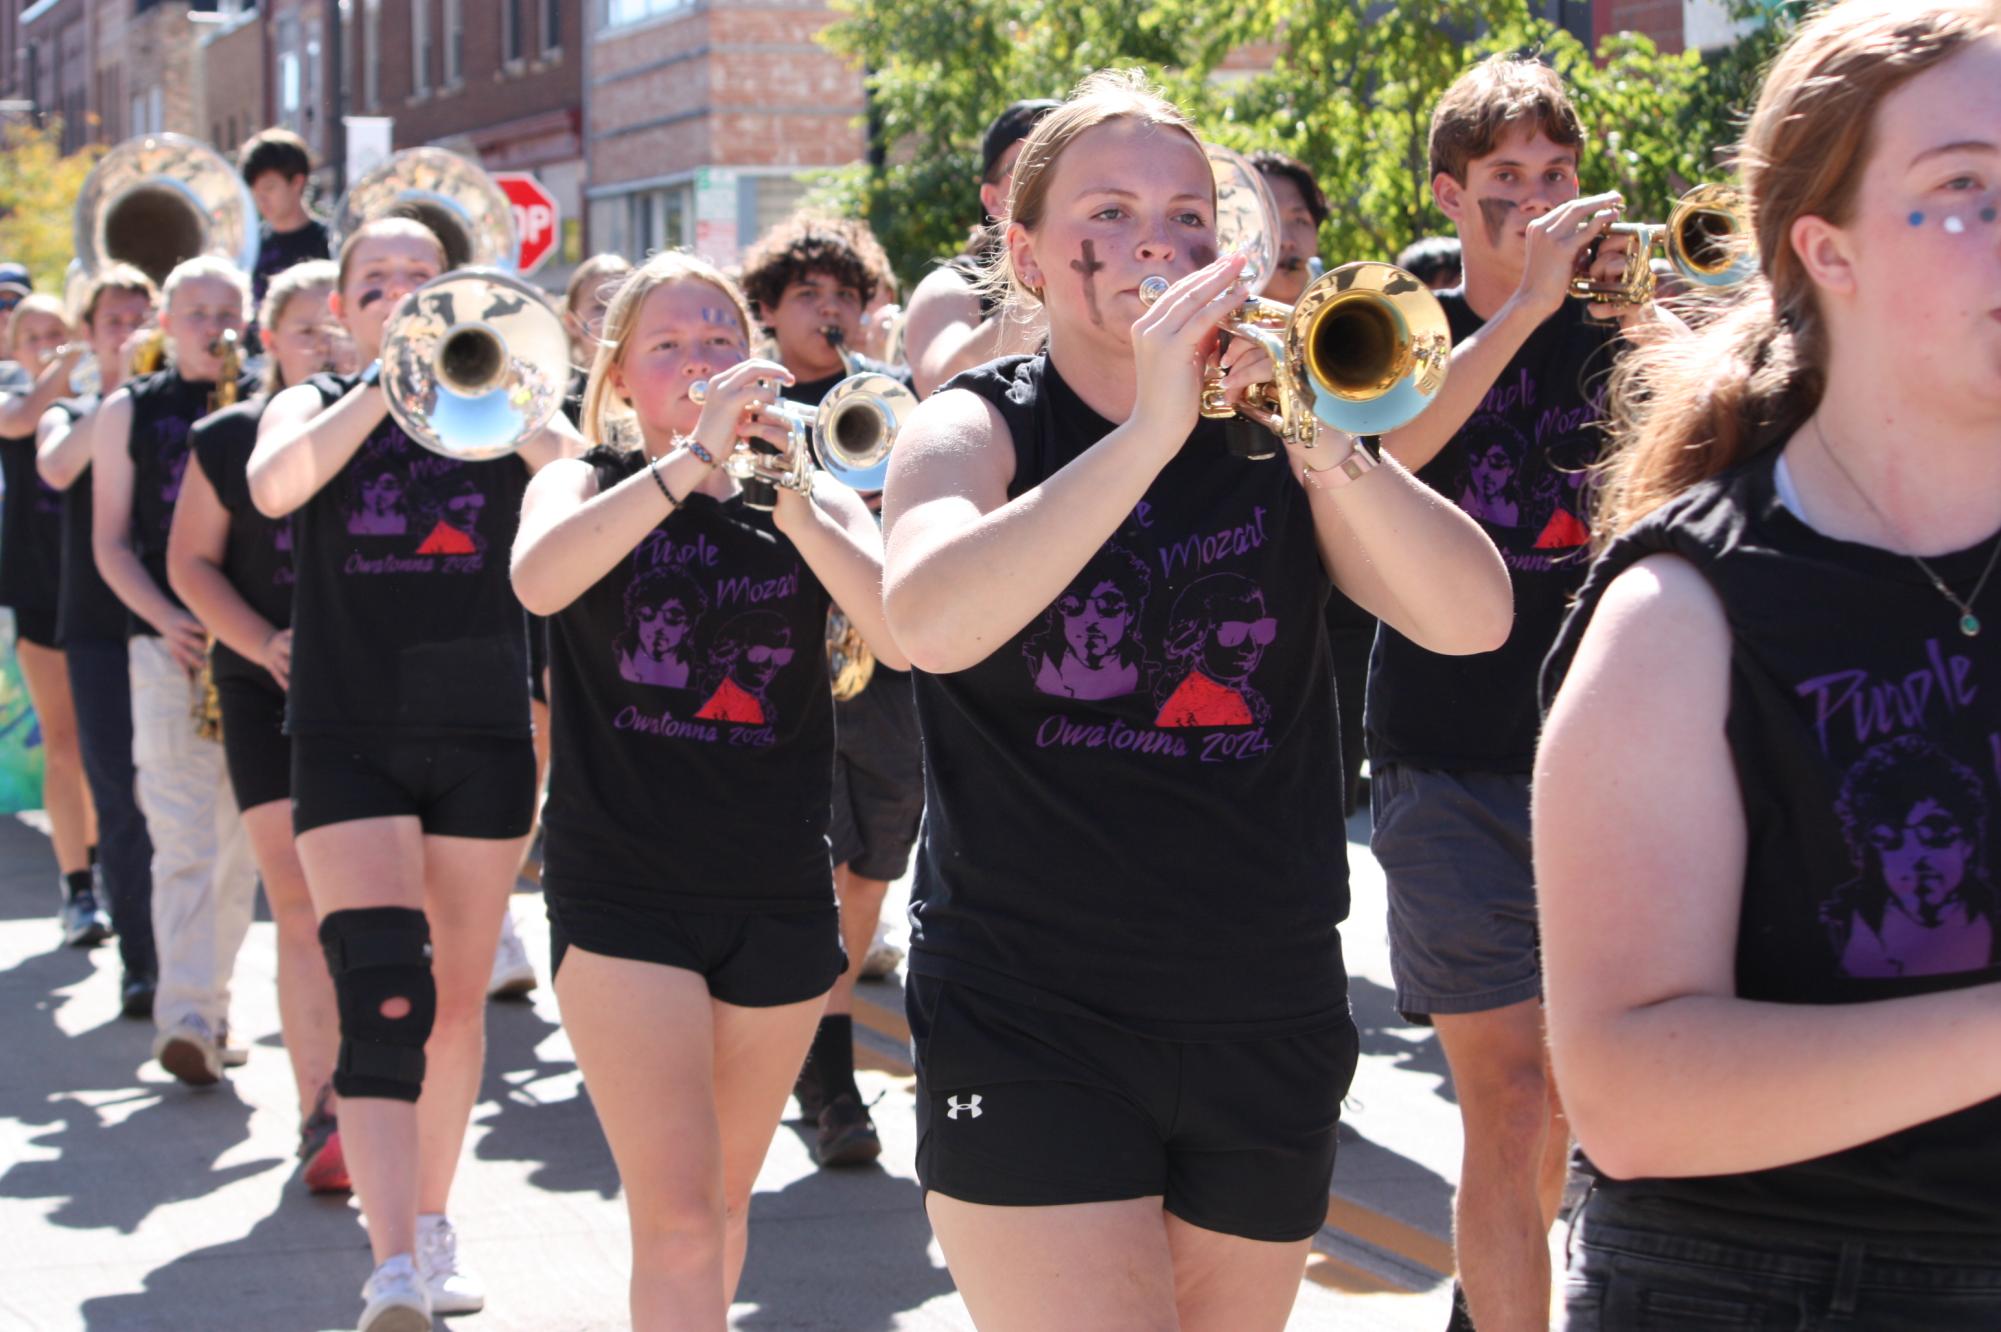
<point>971,1107</point>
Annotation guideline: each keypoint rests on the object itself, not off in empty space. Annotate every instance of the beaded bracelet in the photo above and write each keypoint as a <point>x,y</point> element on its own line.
<point>694,446</point>
<point>653,468</point>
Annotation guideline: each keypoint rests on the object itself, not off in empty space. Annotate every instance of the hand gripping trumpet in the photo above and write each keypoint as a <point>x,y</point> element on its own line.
<point>1707,238</point>
<point>1364,351</point>
<point>850,435</point>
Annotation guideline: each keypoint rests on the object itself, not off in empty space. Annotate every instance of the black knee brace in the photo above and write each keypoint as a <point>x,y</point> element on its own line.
<point>379,955</point>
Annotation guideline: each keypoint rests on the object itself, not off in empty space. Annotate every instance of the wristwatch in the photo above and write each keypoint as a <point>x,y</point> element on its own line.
<point>1358,462</point>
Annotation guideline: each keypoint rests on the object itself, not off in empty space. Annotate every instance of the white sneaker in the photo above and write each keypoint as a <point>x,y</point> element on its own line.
<point>233,1056</point>
<point>396,1299</point>
<point>451,1290</point>
<point>190,1051</point>
<point>513,974</point>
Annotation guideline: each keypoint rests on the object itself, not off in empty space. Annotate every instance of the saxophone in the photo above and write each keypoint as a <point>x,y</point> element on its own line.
<point>206,709</point>
<point>850,664</point>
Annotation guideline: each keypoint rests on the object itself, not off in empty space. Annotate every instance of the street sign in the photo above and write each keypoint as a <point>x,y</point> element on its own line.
<point>537,220</point>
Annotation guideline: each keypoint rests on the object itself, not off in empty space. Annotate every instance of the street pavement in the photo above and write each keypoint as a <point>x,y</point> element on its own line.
<point>128,1202</point>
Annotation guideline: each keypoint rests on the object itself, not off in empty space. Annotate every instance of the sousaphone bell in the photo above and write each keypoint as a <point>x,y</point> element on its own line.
<point>450,195</point>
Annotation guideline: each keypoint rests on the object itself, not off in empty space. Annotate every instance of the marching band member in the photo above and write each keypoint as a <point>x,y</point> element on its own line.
<point>686,865</point>
<point>413,772</point>
<point>91,627</point>
<point>232,567</point>
<point>1127,1001</point>
<point>204,884</point>
<point>277,167</point>
<point>1765,792</point>
<point>807,277</point>
<point>40,340</point>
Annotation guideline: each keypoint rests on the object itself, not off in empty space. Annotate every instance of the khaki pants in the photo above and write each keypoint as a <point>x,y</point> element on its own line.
<point>204,880</point>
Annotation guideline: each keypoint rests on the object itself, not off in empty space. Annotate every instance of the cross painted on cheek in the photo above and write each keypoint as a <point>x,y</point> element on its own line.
<point>1090,267</point>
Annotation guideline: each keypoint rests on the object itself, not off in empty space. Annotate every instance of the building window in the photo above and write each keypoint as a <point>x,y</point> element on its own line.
<point>371,54</point>
<point>619,12</point>
<point>552,25</point>
<point>455,42</point>
<point>643,222</point>
<point>514,38</point>
<point>420,47</point>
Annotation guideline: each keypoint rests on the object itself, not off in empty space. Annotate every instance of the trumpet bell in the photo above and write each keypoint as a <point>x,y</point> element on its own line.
<point>451,196</point>
<point>1709,237</point>
<point>1373,344</point>
<point>856,426</point>
<point>474,364</point>
<point>157,200</point>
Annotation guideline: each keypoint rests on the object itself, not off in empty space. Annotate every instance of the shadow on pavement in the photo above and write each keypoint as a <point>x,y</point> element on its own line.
<point>562,1136</point>
<point>277,1278</point>
<point>1386,1033</point>
<point>847,1249</point>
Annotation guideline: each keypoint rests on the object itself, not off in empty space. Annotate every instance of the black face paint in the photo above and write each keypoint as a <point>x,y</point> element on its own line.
<point>369,297</point>
<point>1202,254</point>
<point>1090,268</point>
<point>1496,213</point>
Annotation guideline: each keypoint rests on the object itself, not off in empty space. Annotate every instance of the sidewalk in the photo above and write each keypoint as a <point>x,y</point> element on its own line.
<point>128,1202</point>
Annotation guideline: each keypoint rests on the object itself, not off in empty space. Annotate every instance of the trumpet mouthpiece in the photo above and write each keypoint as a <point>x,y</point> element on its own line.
<point>1152,289</point>
<point>698,392</point>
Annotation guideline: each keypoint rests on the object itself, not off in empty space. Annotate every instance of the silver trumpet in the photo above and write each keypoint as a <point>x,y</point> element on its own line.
<point>474,364</point>
<point>850,434</point>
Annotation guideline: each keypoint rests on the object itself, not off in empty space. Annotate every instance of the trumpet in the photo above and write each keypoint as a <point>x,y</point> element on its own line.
<point>474,364</point>
<point>1365,350</point>
<point>850,434</point>
<point>1707,238</point>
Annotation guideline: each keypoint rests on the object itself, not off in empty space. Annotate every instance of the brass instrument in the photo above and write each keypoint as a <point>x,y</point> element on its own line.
<point>157,200</point>
<point>851,434</point>
<point>474,364</point>
<point>1365,350</point>
<point>206,709</point>
<point>453,197</point>
<point>850,664</point>
<point>1707,237</point>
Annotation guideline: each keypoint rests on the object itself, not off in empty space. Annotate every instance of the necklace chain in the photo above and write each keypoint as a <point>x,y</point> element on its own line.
<point>1969,623</point>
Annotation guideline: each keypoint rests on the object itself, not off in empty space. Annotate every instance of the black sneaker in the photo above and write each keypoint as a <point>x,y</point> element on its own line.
<point>806,1091</point>
<point>135,995</point>
<point>847,1134</point>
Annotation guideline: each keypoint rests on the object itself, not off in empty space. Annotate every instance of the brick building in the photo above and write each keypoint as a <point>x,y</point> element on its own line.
<point>1675,25</point>
<point>500,81</point>
<point>230,66</point>
<point>699,119</point>
<point>53,58</point>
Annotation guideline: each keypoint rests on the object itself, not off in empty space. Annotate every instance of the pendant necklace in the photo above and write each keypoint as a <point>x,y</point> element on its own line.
<point>1969,623</point>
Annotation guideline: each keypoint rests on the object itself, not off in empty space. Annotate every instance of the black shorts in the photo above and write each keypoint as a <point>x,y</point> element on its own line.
<point>37,625</point>
<point>752,960</point>
<point>878,779</point>
<point>1026,1107</point>
<point>538,657</point>
<point>465,786</point>
<point>254,745</point>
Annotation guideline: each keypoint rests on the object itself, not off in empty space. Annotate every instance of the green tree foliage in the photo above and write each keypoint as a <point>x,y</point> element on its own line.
<point>1349,91</point>
<point>38,193</point>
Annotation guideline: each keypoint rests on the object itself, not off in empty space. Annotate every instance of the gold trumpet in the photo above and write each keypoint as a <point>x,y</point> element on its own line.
<point>1365,350</point>
<point>1707,238</point>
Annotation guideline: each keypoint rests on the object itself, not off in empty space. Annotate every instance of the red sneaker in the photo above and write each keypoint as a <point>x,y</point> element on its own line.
<point>326,1168</point>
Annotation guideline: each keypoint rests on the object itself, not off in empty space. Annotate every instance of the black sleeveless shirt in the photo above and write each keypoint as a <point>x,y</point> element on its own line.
<point>31,537</point>
<point>1134,804</point>
<point>1866,734</point>
<point>691,721</point>
<point>165,408</point>
<point>87,610</point>
<point>404,622</point>
<point>257,557</point>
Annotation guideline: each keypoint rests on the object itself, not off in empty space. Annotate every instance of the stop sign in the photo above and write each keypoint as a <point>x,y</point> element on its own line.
<point>536,218</point>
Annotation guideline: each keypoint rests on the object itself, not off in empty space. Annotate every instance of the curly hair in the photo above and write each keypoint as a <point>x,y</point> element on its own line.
<point>809,243</point>
<point>657,587</point>
<point>1124,571</point>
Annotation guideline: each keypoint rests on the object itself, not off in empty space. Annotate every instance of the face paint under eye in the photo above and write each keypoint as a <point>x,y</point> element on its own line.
<point>370,297</point>
<point>1202,253</point>
<point>1496,213</point>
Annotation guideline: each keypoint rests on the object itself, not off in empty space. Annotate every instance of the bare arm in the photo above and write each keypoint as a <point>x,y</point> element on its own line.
<point>62,447</point>
<point>943,333</point>
<point>572,534</point>
<point>302,444</point>
<point>1408,556</point>
<point>195,550</point>
<point>111,535</point>
<point>19,412</point>
<point>839,540</point>
<point>1640,846</point>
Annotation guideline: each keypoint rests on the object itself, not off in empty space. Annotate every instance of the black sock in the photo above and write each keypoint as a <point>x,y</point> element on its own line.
<point>93,855</point>
<point>77,881</point>
<point>832,1062</point>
